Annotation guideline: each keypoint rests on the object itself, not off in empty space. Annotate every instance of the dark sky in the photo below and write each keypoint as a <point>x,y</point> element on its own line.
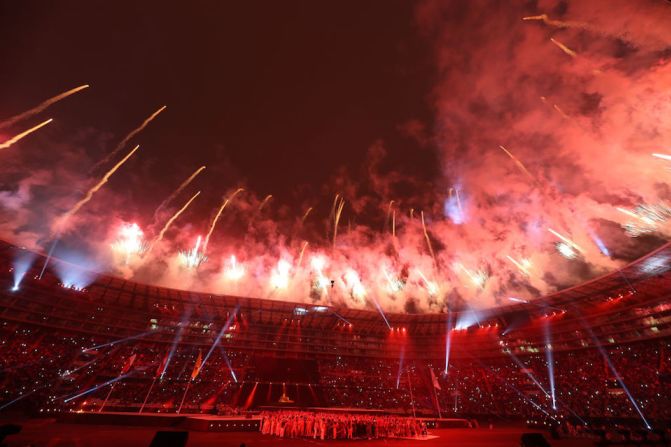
<point>276,94</point>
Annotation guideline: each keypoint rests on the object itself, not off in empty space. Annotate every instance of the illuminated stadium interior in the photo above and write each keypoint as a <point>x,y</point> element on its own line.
<point>413,223</point>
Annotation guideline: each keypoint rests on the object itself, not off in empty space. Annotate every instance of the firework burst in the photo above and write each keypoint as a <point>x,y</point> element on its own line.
<point>129,243</point>
<point>192,259</point>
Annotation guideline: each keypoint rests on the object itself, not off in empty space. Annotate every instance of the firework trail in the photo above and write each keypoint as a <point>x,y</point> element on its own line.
<point>386,218</point>
<point>336,219</point>
<point>216,217</point>
<point>518,163</point>
<point>306,215</point>
<point>563,47</point>
<point>300,256</point>
<point>268,197</point>
<point>128,137</point>
<point>567,240</point>
<point>96,187</point>
<point>428,241</point>
<point>16,138</point>
<point>170,221</point>
<point>662,156</point>
<point>523,266</point>
<point>431,286</point>
<point>558,23</point>
<point>393,223</point>
<point>461,211</point>
<point>181,187</point>
<point>560,111</point>
<point>39,108</point>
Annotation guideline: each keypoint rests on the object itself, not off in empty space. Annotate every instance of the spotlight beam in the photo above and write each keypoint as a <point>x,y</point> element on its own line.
<point>221,334</point>
<point>95,388</point>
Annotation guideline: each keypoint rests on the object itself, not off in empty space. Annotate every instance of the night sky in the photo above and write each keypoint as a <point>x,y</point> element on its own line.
<point>278,96</point>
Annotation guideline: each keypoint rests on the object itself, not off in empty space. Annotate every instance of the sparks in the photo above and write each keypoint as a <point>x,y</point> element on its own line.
<point>279,278</point>
<point>567,241</point>
<point>193,258</point>
<point>318,263</point>
<point>478,278</point>
<point>354,285</point>
<point>23,134</point>
<point>647,219</point>
<point>566,250</point>
<point>523,265</point>
<point>394,285</point>
<point>129,242</point>
<point>431,286</point>
<point>234,271</point>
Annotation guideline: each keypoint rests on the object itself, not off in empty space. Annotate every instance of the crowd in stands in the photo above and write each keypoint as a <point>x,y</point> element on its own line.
<point>324,425</point>
<point>40,368</point>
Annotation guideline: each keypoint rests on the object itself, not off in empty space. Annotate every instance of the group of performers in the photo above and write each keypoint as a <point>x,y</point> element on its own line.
<point>319,425</point>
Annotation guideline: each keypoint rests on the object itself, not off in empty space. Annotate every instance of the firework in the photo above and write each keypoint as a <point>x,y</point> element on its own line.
<point>127,138</point>
<point>518,163</point>
<point>129,242</point>
<point>193,258</point>
<point>563,47</point>
<point>394,285</point>
<point>386,219</point>
<point>428,240</point>
<point>181,187</point>
<point>96,187</point>
<point>16,138</point>
<point>300,255</point>
<point>566,250</point>
<point>648,219</point>
<point>216,217</point>
<point>354,284</point>
<point>523,265</point>
<point>263,203</point>
<point>336,219</point>
<point>557,23</point>
<point>662,156</point>
<point>39,108</point>
<point>560,111</point>
<point>431,286</point>
<point>478,278</point>
<point>567,241</point>
<point>318,263</point>
<point>279,278</point>
<point>234,271</point>
<point>306,215</point>
<point>170,221</point>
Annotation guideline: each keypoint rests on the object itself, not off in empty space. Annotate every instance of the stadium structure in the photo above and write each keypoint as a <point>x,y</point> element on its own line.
<point>594,354</point>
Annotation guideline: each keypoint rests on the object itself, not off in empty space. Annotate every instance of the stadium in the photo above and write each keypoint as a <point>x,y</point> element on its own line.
<point>383,223</point>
